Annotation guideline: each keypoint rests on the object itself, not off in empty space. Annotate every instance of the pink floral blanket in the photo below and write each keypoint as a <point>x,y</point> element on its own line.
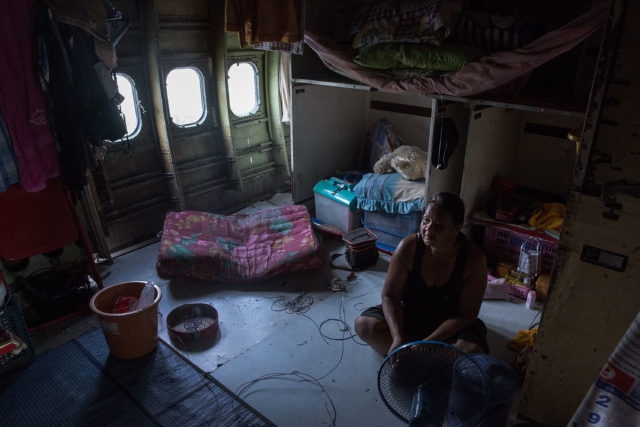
<point>239,247</point>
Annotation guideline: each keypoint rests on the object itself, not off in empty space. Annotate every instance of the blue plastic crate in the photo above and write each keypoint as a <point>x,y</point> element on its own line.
<point>12,321</point>
<point>391,228</point>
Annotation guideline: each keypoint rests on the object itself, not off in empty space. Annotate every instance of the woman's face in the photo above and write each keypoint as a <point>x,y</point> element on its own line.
<point>437,228</point>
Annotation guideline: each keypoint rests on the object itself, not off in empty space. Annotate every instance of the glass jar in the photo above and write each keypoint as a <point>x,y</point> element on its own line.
<point>529,259</point>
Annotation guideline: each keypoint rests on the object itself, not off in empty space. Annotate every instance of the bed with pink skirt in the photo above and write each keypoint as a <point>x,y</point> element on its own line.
<point>238,247</point>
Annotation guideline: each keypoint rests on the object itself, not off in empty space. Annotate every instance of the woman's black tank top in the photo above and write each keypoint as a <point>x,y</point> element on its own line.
<point>426,307</point>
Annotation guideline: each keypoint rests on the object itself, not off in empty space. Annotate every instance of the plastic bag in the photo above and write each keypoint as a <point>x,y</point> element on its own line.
<point>146,296</point>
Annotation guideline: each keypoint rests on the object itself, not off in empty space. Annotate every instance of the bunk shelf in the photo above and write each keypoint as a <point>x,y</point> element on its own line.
<point>334,80</point>
<point>559,105</point>
<point>554,105</point>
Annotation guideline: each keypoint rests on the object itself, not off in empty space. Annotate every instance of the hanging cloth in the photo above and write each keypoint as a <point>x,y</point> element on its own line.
<point>8,168</point>
<point>296,47</point>
<point>273,22</point>
<point>22,103</point>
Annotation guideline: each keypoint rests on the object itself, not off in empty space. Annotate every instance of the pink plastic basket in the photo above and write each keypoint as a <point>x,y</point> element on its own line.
<point>501,244</point>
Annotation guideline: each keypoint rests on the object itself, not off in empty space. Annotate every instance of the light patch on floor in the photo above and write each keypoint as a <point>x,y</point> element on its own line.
<point>313,372</point>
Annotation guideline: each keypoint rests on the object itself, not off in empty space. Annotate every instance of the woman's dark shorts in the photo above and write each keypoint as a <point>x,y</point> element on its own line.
<point>475,333</point>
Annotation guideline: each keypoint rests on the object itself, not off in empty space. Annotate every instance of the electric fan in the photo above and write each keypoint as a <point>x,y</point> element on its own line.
<point>431,384</point>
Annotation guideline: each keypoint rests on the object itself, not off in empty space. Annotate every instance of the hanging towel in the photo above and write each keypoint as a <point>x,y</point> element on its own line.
<point>22,103</point>
<point>8,168</point>
<point>260,21</point>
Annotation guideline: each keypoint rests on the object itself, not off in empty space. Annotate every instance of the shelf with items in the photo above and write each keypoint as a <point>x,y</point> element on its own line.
<point>481,218</point>
<point>539,77</point>
<point>502,241</point>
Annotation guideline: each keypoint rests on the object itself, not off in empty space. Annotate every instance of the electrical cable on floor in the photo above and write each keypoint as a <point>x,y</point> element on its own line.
<point>293,375</point>
<point>300,304</point>
<point>344,328</point>
<point>359,306</point>
<point>339,285</point>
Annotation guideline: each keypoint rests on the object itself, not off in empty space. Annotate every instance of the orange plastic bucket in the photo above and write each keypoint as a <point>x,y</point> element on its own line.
<point>129,335</point>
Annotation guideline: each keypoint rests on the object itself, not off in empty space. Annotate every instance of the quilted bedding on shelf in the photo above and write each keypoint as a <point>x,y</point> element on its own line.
<point>239,247</point>
<point>499,69</point>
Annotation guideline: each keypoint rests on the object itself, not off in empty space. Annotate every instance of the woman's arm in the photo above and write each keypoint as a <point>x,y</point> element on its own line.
<point>399,268</point>
<point>475,282</point>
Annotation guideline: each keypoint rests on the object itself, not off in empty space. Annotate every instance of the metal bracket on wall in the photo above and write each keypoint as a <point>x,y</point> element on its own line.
<point>610,201</point>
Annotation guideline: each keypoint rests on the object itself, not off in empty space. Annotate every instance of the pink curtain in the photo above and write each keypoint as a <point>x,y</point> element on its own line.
<point>22,103</point>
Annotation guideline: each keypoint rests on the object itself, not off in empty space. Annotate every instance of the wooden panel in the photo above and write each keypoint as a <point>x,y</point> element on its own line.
<point>328,130</point>
<point>588,310</point>
<point>546,162</point>
<point>491,149</point>
<point>590,307</point>
<point>408,113</point>
<point>400,108</point>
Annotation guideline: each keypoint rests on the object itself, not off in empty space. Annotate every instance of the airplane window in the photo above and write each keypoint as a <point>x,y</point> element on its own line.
<point>186,98</point>
<point>129,107</point>
<point>242,80</point>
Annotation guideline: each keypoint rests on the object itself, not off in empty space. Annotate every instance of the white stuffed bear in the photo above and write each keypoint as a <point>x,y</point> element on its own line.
<point>408,160</point>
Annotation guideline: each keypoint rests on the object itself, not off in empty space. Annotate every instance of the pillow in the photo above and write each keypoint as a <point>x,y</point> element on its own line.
<point>451,56</point>
<point>496,32</point>
<point>389,193</point>
<point>414,21</point>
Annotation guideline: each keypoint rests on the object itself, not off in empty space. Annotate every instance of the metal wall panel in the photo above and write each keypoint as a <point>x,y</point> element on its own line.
<point>590,306</point>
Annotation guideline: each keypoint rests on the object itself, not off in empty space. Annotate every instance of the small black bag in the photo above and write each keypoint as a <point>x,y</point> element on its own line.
<point>360,251</point>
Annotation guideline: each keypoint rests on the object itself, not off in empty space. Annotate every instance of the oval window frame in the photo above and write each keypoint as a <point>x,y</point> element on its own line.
<point>203,97</point>
<point>256,85</point>
<point>136,108</point>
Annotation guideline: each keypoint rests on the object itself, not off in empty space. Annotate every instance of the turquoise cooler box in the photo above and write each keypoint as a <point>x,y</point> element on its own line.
<point>336,204</point>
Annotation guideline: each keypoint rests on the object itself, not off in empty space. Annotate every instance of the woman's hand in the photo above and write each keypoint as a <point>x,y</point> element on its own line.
<point>397,342</point>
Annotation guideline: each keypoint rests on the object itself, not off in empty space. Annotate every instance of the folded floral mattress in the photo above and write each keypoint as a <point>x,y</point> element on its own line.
<point>239,247</point>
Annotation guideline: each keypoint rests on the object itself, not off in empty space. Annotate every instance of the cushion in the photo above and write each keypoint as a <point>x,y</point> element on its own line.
<point>239,247</point>
<point>413,21</point>
<point>450,56</point>
<point>408,160</point>
<point>389,193</point>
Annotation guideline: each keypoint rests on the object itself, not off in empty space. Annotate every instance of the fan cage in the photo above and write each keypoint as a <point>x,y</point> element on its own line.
<point>405,368</point>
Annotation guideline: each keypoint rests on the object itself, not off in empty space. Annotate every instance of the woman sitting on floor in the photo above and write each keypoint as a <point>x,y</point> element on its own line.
<point>434,286</point>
